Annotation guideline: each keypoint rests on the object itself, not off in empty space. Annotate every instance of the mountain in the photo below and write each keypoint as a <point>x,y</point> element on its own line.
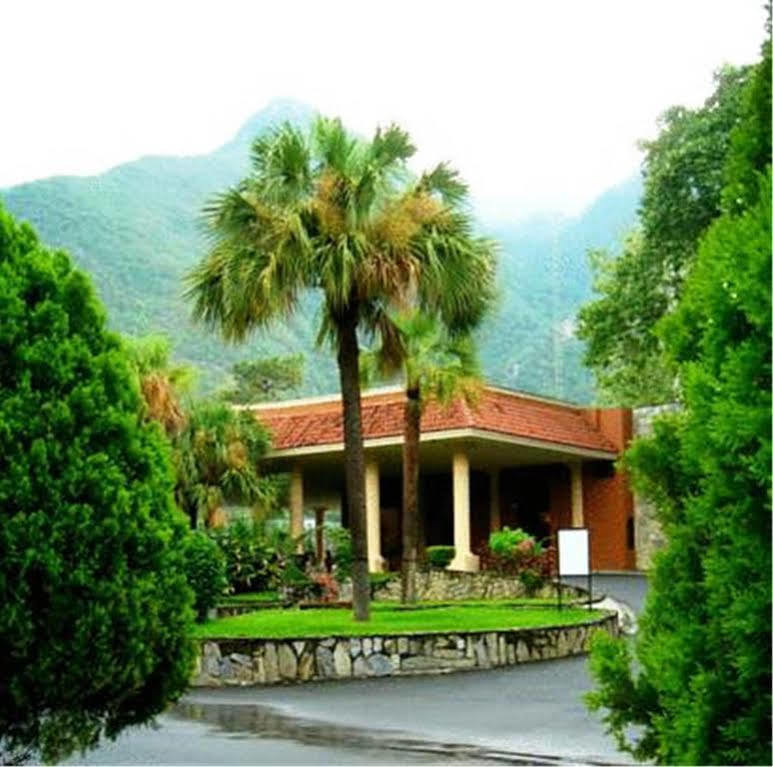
<point>135,229</point>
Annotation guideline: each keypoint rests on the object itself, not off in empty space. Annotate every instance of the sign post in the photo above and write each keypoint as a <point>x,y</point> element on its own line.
<point>574,557</point>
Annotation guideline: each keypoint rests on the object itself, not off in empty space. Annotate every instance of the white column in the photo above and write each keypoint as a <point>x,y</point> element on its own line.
<point>296,505</point>
<point>495,513</point>
<point>575,470</point>
<point>464,559</point>
<point>373,514</point>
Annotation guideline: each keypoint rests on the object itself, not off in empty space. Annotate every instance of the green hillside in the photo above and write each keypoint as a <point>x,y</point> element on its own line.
<point>135,229</point>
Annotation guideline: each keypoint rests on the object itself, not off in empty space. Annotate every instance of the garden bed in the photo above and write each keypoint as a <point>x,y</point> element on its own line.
<point>286,646</point>
<point>390,618</point>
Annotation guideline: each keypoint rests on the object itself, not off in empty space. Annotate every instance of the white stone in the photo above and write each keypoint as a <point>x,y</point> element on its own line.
<point>288,665</point>
<point>342,660</point>
<point>272,665</point>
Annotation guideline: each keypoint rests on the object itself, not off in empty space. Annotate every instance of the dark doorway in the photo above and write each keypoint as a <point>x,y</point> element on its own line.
<point>525,495</point>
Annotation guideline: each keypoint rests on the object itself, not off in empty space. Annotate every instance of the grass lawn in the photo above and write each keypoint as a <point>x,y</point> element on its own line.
<point>388,618</point>
<point>250,596</point>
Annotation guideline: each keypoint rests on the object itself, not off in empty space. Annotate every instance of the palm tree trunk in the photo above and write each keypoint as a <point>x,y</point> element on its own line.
<point>354,459</point>
<point>411,437</point>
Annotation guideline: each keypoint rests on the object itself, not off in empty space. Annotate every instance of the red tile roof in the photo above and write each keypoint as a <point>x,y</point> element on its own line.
<point>501,412</point>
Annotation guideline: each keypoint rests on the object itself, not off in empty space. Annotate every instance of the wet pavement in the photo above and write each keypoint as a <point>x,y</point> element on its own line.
<point>530,714</point>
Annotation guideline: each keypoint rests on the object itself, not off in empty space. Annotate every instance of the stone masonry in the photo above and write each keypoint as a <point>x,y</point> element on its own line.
<point>235,662</point>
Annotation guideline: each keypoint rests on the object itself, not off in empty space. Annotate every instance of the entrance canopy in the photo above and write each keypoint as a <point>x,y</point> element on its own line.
<point>502,430</point>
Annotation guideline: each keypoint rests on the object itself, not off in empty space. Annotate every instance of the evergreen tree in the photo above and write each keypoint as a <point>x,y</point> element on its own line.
<point>94,606</point>
<point>702,693</point>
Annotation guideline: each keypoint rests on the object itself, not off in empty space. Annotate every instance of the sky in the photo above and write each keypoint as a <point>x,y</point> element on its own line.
<point>538,104</point>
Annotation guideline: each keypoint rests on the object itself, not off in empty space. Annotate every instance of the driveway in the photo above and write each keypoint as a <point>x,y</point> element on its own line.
<point>530,714</point>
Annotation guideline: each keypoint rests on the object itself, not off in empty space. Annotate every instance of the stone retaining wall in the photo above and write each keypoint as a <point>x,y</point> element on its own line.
<point>230,662</point>
<point>443,585</point>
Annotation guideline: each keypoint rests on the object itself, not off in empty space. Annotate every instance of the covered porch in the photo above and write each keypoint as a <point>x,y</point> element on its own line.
<point>473,480</point>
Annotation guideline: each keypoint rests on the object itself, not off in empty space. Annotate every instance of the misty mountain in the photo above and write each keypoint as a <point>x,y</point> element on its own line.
<point>136,230</point>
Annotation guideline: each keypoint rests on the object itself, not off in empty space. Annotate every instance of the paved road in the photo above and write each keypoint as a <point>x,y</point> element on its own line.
<point>525,714</point>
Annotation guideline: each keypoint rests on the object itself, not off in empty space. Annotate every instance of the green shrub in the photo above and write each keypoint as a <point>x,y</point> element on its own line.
<point>509,543</point>
<point>205,569</point>
<point>440,557</point>
<point>379,580</point>
<point>532,580</point>
<point>296,584</point>
<point>252,560</point>
<point>95,613</point>
<point>343,553</point>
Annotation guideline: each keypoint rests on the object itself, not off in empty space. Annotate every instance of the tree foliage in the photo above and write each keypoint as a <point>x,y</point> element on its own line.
<point>94,606</point>
<point>216,457</point>
<point>702,694</point>
<point>323,210</point>
<point>265,379</point>
<point>684,174</point>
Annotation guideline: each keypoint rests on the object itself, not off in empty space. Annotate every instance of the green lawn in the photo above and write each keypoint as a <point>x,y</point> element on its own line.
<point>250,596</point>
<point>387,618</point>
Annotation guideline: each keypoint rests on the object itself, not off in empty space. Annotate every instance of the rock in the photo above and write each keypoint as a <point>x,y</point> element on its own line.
<point>226,669</point>
<point>419,663</point>
<point>402,645</point>
<point>510,654</point>
<point>241,659</point>
<point>390,646</point>
<point>355,646</point>
<point>211,659</point>
<point>288,665</point>
<point>272,664</point>
<point>378,644</point>
<point>379,665</point>
<point>443,652</point>
<point>491,647</point>
<point>481,656</point>
<point>422,662</point>
<point>306,667</point>
<point>342,660</point>
<point>329,642</point>
<point>521,651</point>
<point>325,664</point>
<point>360,667</point>
<point>367,646</point>
<point>259,664</point>
<point>299,646</point>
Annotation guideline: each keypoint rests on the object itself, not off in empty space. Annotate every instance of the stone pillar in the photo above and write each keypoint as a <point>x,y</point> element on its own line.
<point>495,512</point>
<point>578,518</point>
<point>296,505</point>
<point>373,514</point>
<point>464,559</point>
<point>319,534</point>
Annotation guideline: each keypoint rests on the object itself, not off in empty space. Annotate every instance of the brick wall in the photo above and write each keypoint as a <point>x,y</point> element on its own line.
<point>607,499</point>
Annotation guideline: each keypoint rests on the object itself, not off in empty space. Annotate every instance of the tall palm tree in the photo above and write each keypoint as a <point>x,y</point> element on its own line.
<point>434,365</point>
<point>327,211</point>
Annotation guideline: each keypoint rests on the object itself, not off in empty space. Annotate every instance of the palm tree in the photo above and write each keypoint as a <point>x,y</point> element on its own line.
<point>161,382</point>
<point>435,365</point>
<point>324,210</point>
<point>216,457</point>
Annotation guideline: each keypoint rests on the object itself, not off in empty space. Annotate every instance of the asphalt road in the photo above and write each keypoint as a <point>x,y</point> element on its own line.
<point>530,714</point>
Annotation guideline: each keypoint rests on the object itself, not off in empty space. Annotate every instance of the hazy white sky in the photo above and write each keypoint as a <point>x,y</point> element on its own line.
<point>539,104</point>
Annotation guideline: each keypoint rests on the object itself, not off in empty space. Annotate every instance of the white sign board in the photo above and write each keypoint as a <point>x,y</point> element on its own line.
<point>573,552</point>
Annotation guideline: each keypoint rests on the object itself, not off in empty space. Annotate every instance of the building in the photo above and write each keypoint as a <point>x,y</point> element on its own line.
<point>513,459</point>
